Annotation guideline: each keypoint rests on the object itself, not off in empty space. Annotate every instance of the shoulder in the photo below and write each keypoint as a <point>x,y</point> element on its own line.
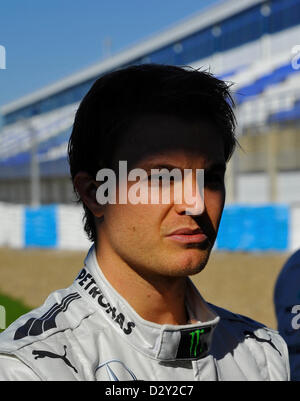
<point>13,369</point>
<point>63,309</point>
<point>235,318</point>
<point>49,328</point>
<point>265,345</point>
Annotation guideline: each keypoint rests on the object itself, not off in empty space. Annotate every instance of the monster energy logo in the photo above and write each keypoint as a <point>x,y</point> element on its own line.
<point>195,341</point>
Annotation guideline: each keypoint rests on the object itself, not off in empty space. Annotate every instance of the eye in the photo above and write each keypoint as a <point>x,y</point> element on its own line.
<point>160,178</point>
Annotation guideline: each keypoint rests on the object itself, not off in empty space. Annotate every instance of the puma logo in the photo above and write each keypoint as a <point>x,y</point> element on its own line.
<point>43,354</point>
<point>261,340</point>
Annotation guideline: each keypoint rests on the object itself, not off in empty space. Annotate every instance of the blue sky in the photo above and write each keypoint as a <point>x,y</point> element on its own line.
<point>48,40</point>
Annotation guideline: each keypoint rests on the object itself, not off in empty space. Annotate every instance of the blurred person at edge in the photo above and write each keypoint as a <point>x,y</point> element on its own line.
<point>287,309</point>
<point>133,313</point>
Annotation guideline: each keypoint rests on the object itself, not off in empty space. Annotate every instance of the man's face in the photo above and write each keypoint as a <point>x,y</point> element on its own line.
<point>139,234</point>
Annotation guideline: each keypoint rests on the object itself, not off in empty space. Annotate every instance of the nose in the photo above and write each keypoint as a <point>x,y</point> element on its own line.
<point>192,201</point>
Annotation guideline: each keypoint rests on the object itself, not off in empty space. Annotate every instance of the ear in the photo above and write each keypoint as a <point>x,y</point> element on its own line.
<point>87,187</point>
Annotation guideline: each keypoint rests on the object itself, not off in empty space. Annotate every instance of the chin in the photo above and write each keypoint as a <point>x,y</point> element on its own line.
<point>190,263</point>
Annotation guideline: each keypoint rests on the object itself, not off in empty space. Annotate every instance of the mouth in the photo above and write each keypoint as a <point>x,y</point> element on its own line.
<point>188,236</point>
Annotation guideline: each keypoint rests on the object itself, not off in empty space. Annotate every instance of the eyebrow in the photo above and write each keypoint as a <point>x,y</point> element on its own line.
<point>153,165</point>
<point>219,166</point>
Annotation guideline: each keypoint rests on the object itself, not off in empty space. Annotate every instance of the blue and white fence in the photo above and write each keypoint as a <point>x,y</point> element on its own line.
<point>49,226</point>
<point>250,228</point>
<point>243,227</point>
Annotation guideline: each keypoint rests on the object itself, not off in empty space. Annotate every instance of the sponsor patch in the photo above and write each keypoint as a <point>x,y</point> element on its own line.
<point>193,343</point>
<point>87,281</point>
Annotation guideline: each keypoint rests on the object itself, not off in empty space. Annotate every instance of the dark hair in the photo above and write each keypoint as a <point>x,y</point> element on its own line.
<point>117,98</point>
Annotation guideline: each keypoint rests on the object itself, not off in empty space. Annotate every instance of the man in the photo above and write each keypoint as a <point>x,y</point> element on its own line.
<point>287,309</point>
<point>132,312</point>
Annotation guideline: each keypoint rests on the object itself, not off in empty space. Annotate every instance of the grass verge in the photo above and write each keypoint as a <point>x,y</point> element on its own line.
<point>10,310</point>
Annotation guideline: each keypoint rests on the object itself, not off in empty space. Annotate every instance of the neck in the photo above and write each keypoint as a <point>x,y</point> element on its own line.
<point>158,299</point>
